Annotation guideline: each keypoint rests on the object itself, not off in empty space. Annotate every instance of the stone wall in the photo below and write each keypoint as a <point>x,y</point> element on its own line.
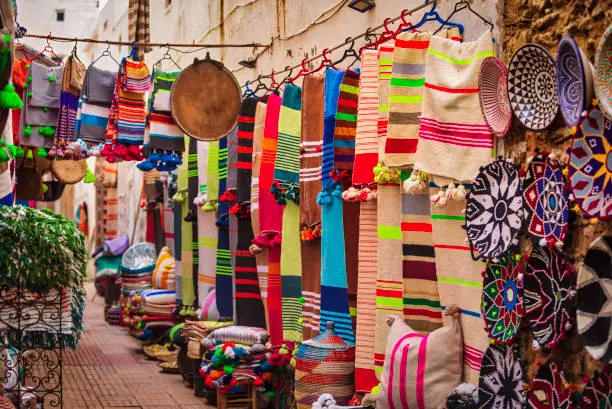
<point>546,22</point>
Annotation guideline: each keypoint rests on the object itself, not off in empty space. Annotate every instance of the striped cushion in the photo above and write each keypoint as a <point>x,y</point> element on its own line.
<point>420,370</point>
<point>159,297</point>
<point>164,275</point>
<point>240,335</point>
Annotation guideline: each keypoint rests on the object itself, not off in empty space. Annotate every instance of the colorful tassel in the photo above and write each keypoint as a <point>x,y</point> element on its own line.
<point>9,99</point>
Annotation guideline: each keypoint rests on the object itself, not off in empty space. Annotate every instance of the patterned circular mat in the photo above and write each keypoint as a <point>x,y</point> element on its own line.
<point>594,299</point>
<point>501,384</point>
<point>545,197</point>
<point>502,297</point>
<point>590,164</point>
<point>549,389</point>
<point>494,209</point>
<point>531,87</point>
<point>596,393</point>
<point>548,295</point>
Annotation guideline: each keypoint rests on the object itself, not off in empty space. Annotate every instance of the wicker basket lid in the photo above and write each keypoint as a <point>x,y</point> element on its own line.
<point>328,339</point>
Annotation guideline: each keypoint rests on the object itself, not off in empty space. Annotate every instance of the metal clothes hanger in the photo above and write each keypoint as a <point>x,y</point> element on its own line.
<point>48,48</point>
<point>433,16</point>
<point>284,80</point>
<point>105,53</point>
<point>348,53</point>
<point>74,50</point>
<point>248,92</point>
<point>167,56</point>
<point>462,5</point>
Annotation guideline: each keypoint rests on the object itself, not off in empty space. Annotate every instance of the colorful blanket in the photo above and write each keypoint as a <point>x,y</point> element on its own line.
<point>287,162</point>
<point>454,140</point>
<point>333,81</point>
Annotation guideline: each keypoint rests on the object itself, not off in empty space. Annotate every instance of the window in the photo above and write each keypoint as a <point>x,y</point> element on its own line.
<point>60,15</point>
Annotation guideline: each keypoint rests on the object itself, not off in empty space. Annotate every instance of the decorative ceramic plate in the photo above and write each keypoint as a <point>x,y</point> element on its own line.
<point>597,393</point>
<point>502,297</point>
<point>545,197</point>
<point>494,209</point>
<point>574,81</point>
<point>501,384</point>
<point>594,300</point>
<point>603,73</point>
<point>590,165</point>
<point>548,295</point>
<point>531,87</point>
<point>549,389</point>
<point>493,93</point>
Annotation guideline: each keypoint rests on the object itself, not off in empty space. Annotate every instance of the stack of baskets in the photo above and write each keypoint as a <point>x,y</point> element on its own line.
<point>324,363</point>
<point>137,265</point>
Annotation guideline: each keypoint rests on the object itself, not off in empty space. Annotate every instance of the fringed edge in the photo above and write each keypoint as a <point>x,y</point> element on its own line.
<point>283,192</point>
<point>386,176</point>
<point>357,194</point>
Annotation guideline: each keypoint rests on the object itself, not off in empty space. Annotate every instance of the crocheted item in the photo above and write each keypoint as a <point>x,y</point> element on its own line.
<point>164,134</point>
<point>502,297</point>
<point>459,281</point>
<point>545,197</point>
<point>345,129</point>
<point>366,138</point>
<point>597,393</point>
<point>455,141</point>
<point>224,282</point>
<point>549,389</point>
<point>287,162</point>
<point>494,209</point>
<point>501,384</point>
<point>590,175</point>
<point>549,292</point>
<point>420,370</point>
<point>421,299</point>
<point>333,80</point>
<point>72,81</point>
<point>593,299</point>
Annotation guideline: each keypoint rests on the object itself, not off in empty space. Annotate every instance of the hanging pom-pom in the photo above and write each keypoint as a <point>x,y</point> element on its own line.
<point>27,130</point>
<point>47,131</point>
<point>9,99</point>
<point>536,345</point>
<point>145,166</point>
<point>4,155</point>
<point>568,326</point>
<point>19,152</point>
<point>542,242</point>
<point>451,190</point>
<point>41,153</point>
<point>460,193</point>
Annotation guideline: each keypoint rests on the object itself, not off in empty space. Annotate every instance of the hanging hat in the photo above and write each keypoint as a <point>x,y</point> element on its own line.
<point>589,169</point>
<point>596,393</point>
<point>502,297</point>
<point>494,209</point>
<point>549,292</point>
<point>594,300</point>
<point>549,389</point>
<point>545,201</point>
<point>501,384</point>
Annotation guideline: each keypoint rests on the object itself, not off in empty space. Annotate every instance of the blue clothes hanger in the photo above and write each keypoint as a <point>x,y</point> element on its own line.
<point>248,92</point>
<point>431,16</point>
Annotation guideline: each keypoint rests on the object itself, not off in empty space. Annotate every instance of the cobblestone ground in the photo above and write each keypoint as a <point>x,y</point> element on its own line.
<point>108,371</point>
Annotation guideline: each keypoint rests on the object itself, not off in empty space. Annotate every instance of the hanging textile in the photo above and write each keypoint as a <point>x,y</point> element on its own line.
<point>333,80</point>
<point>186,235</point>
<point>177,207</point>
<point>459,281</point>
<point>286,175</point>
<point>224,283</point>
<point>261,255</point>
<point>41,105</point>
<point>94,105</point>
<point>454,139</point>
<point>110,200</point>
<point>18,78</point>
<point>228,198</point>
<point>366,157</point>
<point>310,212</point>
<point>139,29</point>
<point>164,134</point>
<point>246,129</point>
<point>345,128</point>
<point>169,190</point>
<point>270,219</point>
<point>193,190</point>
<point>207,232</point>
<point>72,81</point>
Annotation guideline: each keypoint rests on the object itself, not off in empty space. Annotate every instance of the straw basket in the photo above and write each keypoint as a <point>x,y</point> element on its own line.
<point>69,171</point>
<point>324,363</point>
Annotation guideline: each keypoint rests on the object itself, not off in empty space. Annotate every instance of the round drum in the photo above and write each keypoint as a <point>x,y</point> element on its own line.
<point>69,171</point>
<point>205,100</point>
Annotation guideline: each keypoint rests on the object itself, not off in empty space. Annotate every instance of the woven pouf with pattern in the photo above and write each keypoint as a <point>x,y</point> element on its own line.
<point>549,292</point>
<point>545,201</point>
<point>596,393</point>
<point>494,212</point>
<point>594,299</point>
<point>324,364</point>
<point>549,389</point>
<point>502,297</point>
<point>501,384</point>
<point>590,164</point>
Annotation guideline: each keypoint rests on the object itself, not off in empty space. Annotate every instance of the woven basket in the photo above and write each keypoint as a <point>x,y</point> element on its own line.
<point>193,349</point>
<point>69,171</point>
<point>324,364</point>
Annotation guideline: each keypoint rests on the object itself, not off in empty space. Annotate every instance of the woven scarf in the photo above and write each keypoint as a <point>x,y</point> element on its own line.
<point>228,198</point>
<point>244,164</point>
<point>345,129</point>
<point>207,232</point>
<point>261,257</point>
<point>72,81</point>
<point>168,214</point>
<point>333,80</point>
<point>287,163</point>
<point>94,105</point>
<point>350,216</point>
<point>406,96</point>
<point>286,173</point>
<point>178,244</point>
<point>110,200</point>
<point>385,66</point>
<point>421,299</point>
<point>188,290</point>
<point>366,138</point>
<point>193,189</point>
<point>164,134</point>
<point>310,212</point>
<point>459,281</point>
<point>138,25</point>
<point>454,140</point>
<point>224,282</point>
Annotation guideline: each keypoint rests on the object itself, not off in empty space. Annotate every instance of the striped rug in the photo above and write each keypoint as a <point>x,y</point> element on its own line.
<point>452,126</point>
<point>459,281</point>
<point>310,212</point>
